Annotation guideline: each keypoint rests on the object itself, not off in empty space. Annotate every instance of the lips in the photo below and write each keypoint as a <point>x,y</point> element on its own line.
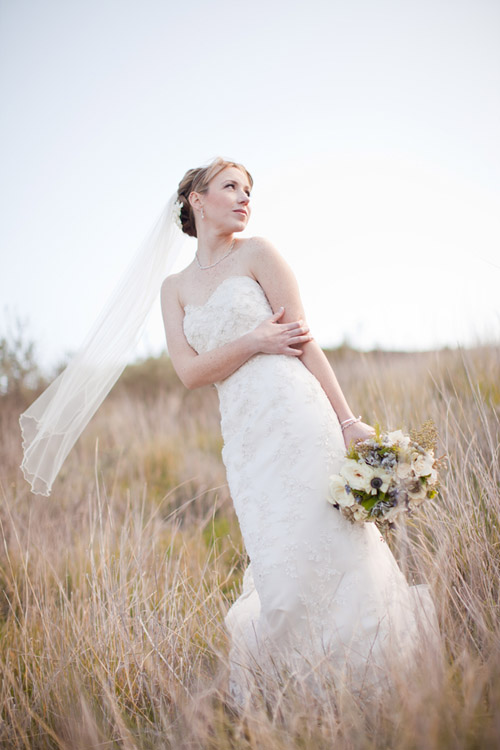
<point>240,211</point>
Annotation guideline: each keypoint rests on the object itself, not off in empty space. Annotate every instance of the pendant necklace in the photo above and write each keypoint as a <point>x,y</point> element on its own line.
<point>204,268</point>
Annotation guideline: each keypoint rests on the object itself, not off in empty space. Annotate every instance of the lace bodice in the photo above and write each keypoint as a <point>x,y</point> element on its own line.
<point>234,308</point>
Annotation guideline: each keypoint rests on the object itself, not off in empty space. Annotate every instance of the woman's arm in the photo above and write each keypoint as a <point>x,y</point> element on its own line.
<point>279,283</point>
<point>196,370</point>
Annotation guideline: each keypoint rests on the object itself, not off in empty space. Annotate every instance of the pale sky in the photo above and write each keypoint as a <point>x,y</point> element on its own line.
<point>371,130</point>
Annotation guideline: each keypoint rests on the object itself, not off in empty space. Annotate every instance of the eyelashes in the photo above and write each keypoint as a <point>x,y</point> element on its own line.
<point>233,185</point>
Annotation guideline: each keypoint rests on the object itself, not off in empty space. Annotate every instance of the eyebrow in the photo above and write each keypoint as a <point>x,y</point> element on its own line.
<point>246,186</point>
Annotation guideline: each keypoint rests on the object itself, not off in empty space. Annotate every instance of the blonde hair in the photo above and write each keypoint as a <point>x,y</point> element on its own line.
<point>198,180</point>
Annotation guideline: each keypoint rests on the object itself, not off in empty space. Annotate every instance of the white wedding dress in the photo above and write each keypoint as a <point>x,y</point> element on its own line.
<point>319,592</point>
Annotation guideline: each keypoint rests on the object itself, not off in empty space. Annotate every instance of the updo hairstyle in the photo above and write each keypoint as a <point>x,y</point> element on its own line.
<point>197,180</point>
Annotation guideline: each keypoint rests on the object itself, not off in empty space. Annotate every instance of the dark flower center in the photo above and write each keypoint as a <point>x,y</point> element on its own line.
<point>376,483</point>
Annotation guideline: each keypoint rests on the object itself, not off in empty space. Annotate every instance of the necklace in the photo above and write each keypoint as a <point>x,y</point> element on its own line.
<point>204,268</point>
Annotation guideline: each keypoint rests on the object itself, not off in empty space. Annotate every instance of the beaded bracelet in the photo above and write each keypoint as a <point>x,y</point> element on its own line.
<point>348,422</point>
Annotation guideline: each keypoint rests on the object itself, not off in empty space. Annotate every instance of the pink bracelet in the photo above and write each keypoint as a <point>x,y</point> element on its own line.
<point>348,422</point>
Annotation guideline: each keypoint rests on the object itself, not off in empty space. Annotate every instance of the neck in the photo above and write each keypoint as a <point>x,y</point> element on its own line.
<point>211,247</point>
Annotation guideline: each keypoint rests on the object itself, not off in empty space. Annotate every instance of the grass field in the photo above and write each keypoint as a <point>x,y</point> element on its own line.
<point>114,589</point>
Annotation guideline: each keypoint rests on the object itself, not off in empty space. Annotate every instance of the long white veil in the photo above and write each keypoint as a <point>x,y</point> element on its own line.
<point>53,423</point>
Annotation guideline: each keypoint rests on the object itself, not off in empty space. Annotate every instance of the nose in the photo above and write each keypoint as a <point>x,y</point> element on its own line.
<point>243,198</point>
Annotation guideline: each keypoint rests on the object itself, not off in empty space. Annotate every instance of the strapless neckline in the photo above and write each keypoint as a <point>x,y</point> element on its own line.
<point>234,308</point>
<point>218,287</point>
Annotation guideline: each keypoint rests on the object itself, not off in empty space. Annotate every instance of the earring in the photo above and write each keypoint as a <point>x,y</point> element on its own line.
<point>202,214</point>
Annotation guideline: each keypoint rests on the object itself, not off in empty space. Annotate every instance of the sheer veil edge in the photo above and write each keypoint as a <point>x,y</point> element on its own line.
<point>55,420</point>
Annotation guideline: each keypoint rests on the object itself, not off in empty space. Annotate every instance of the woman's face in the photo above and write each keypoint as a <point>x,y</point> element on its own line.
<point>226,204</point>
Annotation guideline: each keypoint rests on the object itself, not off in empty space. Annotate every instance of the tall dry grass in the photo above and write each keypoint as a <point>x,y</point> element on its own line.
<point>113,590</point>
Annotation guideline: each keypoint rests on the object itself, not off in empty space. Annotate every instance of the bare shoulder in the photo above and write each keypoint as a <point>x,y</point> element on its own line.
<point>259,245</point>
<point>261,252</point>
<point>175,282</point>
<point>170,288</point>
<point>170,284</point>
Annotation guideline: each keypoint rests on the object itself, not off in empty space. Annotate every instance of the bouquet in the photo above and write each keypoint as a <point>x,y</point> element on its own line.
<point>386,476</point>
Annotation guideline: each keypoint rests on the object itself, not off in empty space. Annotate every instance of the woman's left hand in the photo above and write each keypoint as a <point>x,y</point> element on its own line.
<point>357,431</point>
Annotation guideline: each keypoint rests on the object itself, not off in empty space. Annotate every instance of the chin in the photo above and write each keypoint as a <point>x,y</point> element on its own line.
<point>240,224</point>
<point>233,227</point>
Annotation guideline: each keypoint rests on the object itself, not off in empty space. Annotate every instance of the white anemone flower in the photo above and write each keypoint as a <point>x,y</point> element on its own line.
<point>338,492</point>
<point>357,475</point>
<point>382,485</point>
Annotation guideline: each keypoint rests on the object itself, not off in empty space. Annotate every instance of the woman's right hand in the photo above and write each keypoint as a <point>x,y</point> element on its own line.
<point>272,337</point>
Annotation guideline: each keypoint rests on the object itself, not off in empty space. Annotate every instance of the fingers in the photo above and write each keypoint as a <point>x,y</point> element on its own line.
<point>277,315</point>
<point>294,325</point>
<point>280,338</point>
<point>288,326</point>
<point>295,330</point>
<point>294,341</point>
<point>300,337</point>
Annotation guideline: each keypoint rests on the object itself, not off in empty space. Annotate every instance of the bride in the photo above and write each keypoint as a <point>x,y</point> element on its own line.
<point>319,593</point>
<point>322,599</point>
